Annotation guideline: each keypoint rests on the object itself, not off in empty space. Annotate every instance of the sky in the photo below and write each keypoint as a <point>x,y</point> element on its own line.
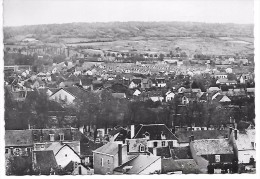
<point>30,12</point>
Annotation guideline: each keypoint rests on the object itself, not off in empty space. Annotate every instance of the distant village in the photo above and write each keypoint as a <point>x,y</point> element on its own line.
<point>83,111</point>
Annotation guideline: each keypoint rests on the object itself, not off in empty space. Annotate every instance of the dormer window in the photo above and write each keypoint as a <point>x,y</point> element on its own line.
<point>142,148</point>
<point>52,137</point>
<point>61,137</point>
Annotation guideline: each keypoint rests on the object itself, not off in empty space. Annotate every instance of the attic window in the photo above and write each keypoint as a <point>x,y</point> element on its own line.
<point>51,137</point>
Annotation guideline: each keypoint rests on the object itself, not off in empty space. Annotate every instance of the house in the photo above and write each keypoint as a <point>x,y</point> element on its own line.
<point>86,151</point>
<point>146,83</point>
<point>44,162</point>
<point>154,95</point>
<point>135,83</point>
<point>160,82</point>
<point>213,89</point>
<point>157,135</point>
<point>68,94</point>
<point>184,100</point>
<point>221,98</point>
<point>220,75</point>
<point>213,155</point>
<point>110,156</point>
<point>119,95</point>
<point>224,81</point>
<point>180,166</point>
<point>250,91</point>
<point>141,164</point>
<point>169,96</point>
<point>18,142</point>
<point>64,154</point>
<point>44,138</point>
<point>118,134</point>
<point>137,92</point>
<point>244,144</point>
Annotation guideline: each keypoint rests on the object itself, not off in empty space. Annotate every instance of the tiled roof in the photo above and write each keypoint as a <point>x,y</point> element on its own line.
<point>155,131</point>
<point>18,138</point>
<point>183,136</point>
<point>45,160</point>
<point>187,166</point>
<point>140,163</point>
<point>212,146</point>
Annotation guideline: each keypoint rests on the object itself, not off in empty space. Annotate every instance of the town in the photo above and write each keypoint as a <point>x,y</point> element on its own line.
<point>73,111</point>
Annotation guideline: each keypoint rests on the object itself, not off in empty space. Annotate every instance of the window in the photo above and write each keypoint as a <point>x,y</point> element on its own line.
<point>61,137</point>
<point>163,143</point>
<point>51,137</point>
<point>6,151</point>
<point>108,162</point>
<point>102,164</point>
<point>141,148</point>
<point>217,158</point>
<point>155,144</point>
<point>87,160</point>
<point>66,155</point>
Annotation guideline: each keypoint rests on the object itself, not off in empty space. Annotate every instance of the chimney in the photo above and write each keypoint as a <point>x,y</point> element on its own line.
<point>132,131</point>
<point>173,130</point>
<point>120,147</point>
<point>191,138</point>
<point>235,132</point>
<point>155,151</point>
<point>230,131</point>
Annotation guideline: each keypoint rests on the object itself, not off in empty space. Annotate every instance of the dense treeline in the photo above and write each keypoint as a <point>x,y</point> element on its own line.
<point>103,110</point>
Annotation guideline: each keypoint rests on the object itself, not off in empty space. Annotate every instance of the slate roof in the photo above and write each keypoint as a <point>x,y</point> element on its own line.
<point>212,146</point>
<point>181,153</point>
<point>87,148</point>
<point>183,136</point>
<point>68,133</point>
<point>163,152</point>
<point>155,131</point>
<point>187,166</point>
<point>111,148</point>
<point>140,163</point>
<point>18,138</point>
<point>242,125</point>
<point>45,159</point>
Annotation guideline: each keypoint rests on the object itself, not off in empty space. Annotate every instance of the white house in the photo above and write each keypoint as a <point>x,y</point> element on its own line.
<point>169,96</point>
<point>64,154</point>
<point>244,144</point>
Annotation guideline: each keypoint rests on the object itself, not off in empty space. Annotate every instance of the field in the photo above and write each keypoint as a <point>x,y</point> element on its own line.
<point>152,37</point>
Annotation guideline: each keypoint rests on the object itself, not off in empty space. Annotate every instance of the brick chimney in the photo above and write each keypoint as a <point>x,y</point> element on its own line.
<point>120,153</point>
